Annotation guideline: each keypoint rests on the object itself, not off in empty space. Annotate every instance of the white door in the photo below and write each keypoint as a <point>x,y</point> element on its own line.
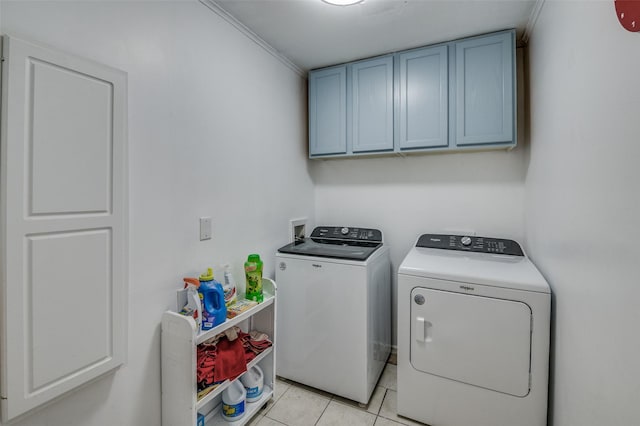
<point>477,340</point>
<point>64,224</point>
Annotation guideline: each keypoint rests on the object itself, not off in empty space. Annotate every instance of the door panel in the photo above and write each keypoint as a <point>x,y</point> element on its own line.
<point>372,104</point>
<point>477,340</point>
<point>485,90</point>
<point>423,98</point>
<point>328,111</point>
<point>64,224</point>
<point>53,276</point>
<point>62,173</point>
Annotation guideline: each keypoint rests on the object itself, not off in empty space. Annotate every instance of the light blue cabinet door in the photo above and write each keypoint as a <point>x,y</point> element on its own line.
<point>485,98</point>
<point>328,111</point>
<point>423,98</point>
<point>372,105</point>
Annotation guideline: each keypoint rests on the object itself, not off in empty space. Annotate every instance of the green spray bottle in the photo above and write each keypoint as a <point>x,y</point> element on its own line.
<point>253,273</point>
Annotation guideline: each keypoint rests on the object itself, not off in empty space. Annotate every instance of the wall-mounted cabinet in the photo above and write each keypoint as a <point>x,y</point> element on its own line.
<point>328,111</point>
<point>351,108</point>
<point>452,96</point>
<point>371,105</point>
<point>485,99</point>
<point>423,98</point>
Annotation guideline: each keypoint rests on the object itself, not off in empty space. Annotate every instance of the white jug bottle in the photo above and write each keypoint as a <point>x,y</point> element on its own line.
<point>253,382</point>
<point>233,399</point>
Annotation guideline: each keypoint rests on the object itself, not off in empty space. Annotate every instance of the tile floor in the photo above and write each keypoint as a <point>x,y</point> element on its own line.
<point>297,405</point>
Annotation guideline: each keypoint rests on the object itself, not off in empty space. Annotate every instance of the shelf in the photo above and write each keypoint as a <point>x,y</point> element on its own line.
<point>179,345</point>
<point>206,335</point>
<point>250,408</point>
<point>222,386</point>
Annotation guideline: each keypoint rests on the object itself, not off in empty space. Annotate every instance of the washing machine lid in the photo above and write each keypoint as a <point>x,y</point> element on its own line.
<point>486,268</point>
<point>337,242</point>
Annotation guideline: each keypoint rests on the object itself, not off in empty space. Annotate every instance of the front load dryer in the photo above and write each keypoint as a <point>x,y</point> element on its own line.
<point>473,334</point>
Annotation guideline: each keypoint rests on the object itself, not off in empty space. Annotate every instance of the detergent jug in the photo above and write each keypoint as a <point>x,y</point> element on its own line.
<point>233,401</point>
<point>253,382</point>
<point>214,311</point>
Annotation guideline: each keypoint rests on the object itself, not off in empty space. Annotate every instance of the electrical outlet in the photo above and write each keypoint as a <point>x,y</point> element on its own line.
<point>205,228</point>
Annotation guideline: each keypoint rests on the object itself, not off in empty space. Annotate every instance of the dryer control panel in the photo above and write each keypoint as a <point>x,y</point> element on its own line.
<point>468,243</point>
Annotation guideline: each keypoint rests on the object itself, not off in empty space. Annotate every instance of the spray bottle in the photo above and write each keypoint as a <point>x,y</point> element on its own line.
<point>229,286</point>
<point>193,307</point>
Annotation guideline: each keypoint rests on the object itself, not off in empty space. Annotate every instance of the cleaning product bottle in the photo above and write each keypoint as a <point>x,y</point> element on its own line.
<point>229,286</point>
<point>233,399</point>
<point>214,311</point>
<point>253,382</point>
<point>193,307</point>
<point>253,273</point>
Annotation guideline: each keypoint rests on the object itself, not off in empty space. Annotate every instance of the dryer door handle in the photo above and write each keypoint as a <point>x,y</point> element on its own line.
<point>423,330</point>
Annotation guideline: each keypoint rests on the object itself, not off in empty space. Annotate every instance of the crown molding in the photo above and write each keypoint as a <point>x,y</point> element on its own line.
<point>218,10</point>
<point>531,23</point>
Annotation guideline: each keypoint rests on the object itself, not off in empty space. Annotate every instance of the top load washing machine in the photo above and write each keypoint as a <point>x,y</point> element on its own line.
<point>334,310</point>
<point>473,334</point>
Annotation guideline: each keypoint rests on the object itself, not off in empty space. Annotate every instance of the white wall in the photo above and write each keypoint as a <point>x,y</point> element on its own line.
<point>583,207</point>
<point>409,196</point>
<point>217,127</point>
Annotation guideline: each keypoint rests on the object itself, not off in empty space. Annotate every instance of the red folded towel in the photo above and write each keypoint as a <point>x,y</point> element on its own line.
<point>230,361</point>
<point>206,360</point>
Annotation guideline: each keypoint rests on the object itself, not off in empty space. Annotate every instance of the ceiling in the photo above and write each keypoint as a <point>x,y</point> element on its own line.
<point>313,34</point>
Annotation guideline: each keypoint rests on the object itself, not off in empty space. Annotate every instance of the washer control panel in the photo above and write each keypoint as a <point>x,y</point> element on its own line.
<point>469,243</point>
<point>345,233</point>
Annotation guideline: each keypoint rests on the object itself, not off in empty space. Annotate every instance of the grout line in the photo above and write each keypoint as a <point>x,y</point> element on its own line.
<point>323,411</point>
<point>383,398</point>
<point>275,401</point>
<point>279,422</point>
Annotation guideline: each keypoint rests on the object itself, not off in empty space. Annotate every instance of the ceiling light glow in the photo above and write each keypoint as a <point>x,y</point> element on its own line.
<point>342,2</point>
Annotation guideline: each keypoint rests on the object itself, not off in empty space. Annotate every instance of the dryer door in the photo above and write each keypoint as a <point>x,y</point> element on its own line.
<point>481,341</point>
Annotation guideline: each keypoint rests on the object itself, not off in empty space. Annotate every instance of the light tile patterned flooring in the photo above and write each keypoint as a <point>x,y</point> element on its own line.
<point>297,405</point>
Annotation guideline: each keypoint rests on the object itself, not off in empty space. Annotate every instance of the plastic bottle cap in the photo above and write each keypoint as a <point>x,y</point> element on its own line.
<point>253,258</point>
<point>207,276</point>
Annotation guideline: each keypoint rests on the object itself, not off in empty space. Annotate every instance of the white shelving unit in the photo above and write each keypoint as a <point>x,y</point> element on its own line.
<point>180,338</point>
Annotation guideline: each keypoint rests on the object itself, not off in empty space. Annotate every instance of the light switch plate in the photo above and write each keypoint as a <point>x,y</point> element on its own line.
<point>205,228</point>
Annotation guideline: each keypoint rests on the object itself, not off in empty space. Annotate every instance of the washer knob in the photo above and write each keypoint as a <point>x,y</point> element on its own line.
<point>344,231</point>
<point>466,241</point>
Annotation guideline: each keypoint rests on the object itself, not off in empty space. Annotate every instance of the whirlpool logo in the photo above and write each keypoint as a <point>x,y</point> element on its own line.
<point>282,266</point>
<point>467,288</point>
